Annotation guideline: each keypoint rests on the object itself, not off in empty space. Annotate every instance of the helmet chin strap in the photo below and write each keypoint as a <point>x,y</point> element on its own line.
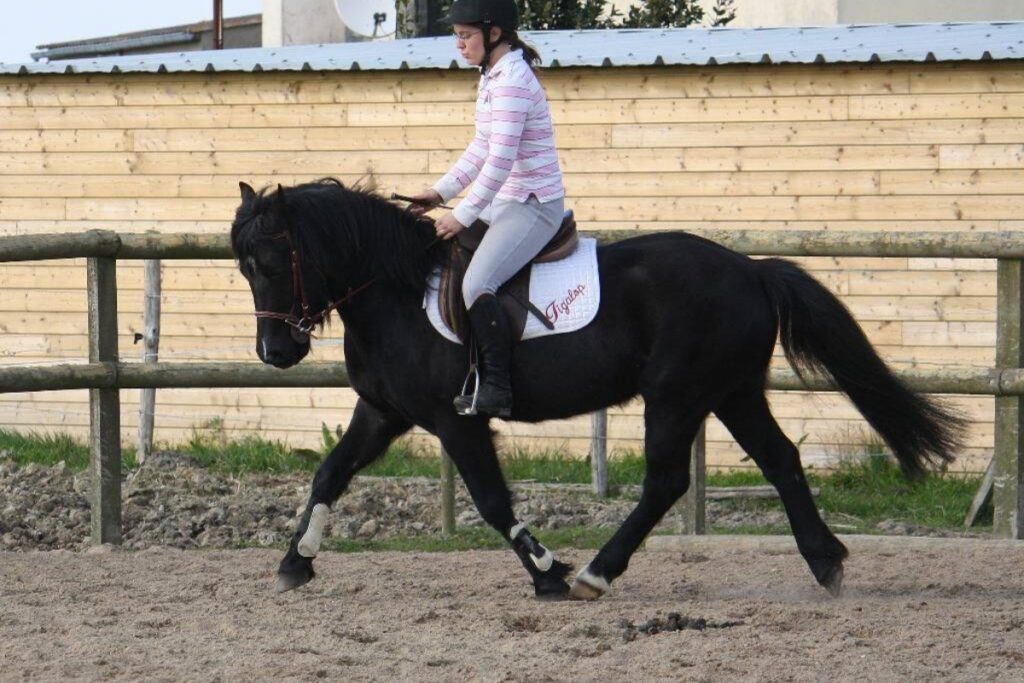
<point>488,46</point>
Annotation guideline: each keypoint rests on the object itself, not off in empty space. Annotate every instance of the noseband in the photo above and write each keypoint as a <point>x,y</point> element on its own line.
<point>305,323</point>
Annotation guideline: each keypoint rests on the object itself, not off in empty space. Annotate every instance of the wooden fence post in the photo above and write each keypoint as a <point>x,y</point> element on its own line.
<point>447,494</point>
<point>692,505</point>
<point>104,404</point>
<point>599,452</point>
<point>1008,492</point>
<point>150,348</point>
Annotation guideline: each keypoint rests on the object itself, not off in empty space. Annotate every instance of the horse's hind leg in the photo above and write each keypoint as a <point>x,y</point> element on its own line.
<point>369,434</point>
<point>669,433</point>
<point>469,443</point>
<point>746,415</point>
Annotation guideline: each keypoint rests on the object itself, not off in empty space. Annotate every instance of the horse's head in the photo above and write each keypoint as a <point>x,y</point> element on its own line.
<point>311,248</point>
<point>263,245</point>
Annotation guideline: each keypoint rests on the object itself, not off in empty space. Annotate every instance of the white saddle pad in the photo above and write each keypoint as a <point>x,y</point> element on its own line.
<point>568,292</point>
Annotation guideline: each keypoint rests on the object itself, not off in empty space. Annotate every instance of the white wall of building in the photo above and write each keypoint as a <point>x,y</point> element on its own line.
<point>273,31</point>
<point>750,13</point>
<point>906,11</point>
<point>301,22</point>
<point>753,13</point>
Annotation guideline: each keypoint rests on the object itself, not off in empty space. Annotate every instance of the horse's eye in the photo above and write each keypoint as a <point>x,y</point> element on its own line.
<point>247,266</point>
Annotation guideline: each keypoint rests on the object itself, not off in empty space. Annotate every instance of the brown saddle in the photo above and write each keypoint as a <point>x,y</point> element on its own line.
<point>514,295</point>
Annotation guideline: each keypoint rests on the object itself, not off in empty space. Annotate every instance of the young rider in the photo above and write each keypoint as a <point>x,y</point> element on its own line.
<point>514,164</point>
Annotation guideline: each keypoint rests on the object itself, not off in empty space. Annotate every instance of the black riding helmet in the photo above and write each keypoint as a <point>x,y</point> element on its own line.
<point>503,13</point>
<point>486,13</point>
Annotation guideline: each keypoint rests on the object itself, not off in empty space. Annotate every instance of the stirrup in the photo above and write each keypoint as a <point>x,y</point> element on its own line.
<point>465,403</point>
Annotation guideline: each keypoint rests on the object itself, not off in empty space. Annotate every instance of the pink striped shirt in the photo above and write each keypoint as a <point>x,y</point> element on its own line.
<point>513,153</point>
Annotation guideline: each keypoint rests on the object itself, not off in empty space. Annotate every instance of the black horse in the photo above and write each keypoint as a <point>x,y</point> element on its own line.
<point>684,323</point>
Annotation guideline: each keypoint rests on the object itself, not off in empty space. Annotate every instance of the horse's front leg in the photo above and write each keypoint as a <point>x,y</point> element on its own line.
<point>470,445</point>
<point>369,434</point>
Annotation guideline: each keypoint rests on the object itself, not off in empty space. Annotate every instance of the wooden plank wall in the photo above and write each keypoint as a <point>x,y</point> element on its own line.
<point>876,147</point>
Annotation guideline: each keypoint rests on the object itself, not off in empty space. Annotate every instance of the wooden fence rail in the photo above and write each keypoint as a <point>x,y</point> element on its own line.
<point>104,375</point>
<point>228,374</point>
<point>997,245</point>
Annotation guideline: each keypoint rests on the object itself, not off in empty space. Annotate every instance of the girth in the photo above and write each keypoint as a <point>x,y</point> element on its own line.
<point>514,295</point>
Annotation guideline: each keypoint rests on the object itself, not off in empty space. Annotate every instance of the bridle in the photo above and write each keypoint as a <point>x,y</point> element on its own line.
<point>305,323</point>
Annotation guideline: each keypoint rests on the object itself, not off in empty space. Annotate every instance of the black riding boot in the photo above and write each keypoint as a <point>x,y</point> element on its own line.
<point>494,343</point>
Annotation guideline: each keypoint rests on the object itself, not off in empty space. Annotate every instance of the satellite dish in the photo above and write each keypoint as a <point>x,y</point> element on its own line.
<point>373,18</point>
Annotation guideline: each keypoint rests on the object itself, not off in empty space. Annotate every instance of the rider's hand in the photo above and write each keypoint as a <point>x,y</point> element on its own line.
<point>447,226</point>
<point>425,201</point>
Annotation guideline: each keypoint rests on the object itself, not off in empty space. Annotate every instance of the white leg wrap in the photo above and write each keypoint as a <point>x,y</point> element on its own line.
<point>544,562</point>
<point>592,580</point>
<point>309,544</point>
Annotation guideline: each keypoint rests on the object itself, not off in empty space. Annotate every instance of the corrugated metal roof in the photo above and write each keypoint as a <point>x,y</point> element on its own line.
<point>616,47</point>
<point>193,27</point>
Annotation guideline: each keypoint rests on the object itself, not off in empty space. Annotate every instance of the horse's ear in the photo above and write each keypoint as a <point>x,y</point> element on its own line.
<point>248,194</point>
<point>280,193</point>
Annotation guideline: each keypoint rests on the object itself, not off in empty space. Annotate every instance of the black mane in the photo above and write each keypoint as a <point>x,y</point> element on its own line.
<point>351,230</point>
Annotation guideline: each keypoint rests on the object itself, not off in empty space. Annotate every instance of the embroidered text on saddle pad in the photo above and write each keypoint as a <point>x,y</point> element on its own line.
<point>567,291</point>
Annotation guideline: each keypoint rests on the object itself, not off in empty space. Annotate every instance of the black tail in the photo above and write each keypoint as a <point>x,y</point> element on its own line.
<point>819,334</point>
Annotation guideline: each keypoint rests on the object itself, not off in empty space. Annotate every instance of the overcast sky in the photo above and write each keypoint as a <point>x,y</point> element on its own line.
<point>24,24</point>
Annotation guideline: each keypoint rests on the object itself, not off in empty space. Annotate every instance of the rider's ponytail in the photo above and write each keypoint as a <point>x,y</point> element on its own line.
<point>531,56</point>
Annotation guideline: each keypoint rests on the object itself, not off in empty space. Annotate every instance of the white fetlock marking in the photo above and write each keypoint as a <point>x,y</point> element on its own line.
<point>592,580</point>
<point>309,544</point>
<point>544,562</point>
<point>514,531</point>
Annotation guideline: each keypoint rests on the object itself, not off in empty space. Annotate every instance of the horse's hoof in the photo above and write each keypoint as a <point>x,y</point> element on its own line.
<point>554,597</point>
<point>553,591</point>
<point>583,591</point>
<point>294,571</point>
<point>828,572</point>
<point>551,585</point>
<point>833,581</point>
<point>588,586</point>
<point>287,582</point>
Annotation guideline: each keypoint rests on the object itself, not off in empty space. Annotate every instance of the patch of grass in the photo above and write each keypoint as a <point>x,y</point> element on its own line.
<point>873,489</point>
<point>859,494</point>
<point>211,447</point>
<point>45,449</point>
<point>745,477</point>
<point>49,449</point>
<point>406,458</point>
<point>248,454</point>
<point>546,466</point>
<point>624,467</point>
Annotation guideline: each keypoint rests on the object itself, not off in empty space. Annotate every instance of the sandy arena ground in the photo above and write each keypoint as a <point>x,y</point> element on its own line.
<point>941,610</point>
